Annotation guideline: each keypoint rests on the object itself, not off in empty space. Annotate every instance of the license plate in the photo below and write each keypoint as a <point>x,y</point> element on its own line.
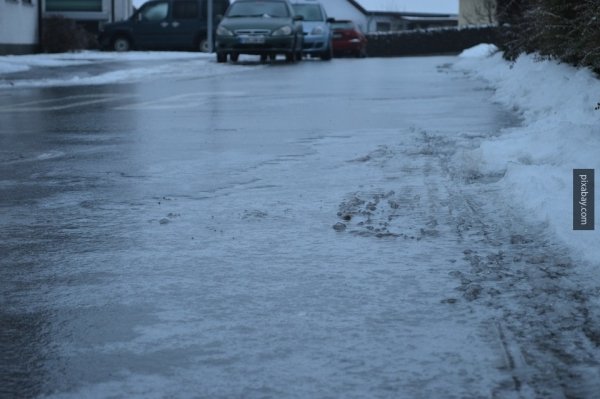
<point>252,39</point>
<point>337,35</point>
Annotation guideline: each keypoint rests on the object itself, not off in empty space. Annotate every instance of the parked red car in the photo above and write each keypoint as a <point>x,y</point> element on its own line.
<point>348,39</point>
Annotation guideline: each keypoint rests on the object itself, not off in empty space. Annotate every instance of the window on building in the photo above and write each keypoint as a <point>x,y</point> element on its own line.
<point>74,5</point>
<point>383,27</point>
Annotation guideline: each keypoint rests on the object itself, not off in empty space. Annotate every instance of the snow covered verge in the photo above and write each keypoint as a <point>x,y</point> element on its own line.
<point>560,132</point>
<point>140,65</point>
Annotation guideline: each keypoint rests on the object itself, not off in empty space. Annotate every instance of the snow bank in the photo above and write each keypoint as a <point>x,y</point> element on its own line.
<point>560,132</point>
<point>16,63</point>
<point>151,63</point>
<point>479,51</point>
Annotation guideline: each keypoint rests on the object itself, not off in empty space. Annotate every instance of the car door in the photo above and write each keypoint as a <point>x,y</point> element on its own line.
<point>187,22</point>
<point>152,26</point>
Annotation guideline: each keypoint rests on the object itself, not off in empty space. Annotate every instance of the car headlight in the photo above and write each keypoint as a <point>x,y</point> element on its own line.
<point>221,31</point>
<point>318,30</point>
<point>283,31</point>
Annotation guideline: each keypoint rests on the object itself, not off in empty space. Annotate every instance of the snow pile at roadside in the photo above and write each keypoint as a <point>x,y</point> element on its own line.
<point>560,132</point>
<point>16,63</point>
<point>140,65</point>
<point>479,51</point>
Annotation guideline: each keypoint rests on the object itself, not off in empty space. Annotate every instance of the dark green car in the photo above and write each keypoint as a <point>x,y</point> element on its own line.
<point>163,25</point>
<point>261,27</point>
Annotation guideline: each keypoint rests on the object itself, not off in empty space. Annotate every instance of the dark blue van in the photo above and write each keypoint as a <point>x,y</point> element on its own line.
<point>163,25</point>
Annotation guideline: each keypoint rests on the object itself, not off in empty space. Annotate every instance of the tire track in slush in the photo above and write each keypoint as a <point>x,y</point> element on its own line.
<point>544,323</point>
<point>546,328</point>
<point>519,270</point>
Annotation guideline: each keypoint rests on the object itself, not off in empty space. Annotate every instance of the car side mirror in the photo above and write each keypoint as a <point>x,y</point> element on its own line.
<point>330,20</point>
<point>298,18</point>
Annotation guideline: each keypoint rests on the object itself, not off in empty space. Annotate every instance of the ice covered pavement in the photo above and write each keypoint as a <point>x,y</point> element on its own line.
<point>436,285</point>
<point>159,250</point>
<point>538,307</point>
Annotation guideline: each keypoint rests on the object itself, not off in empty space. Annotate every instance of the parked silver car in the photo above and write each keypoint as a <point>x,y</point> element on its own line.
<point>317,33</point>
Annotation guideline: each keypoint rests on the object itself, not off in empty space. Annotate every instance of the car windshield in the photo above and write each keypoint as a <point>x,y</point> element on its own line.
<point>275,9</point>
<point>310,12</point>
<point>342,25</point>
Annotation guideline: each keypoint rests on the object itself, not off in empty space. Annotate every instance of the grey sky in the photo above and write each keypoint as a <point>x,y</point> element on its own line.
<point>439,6</point>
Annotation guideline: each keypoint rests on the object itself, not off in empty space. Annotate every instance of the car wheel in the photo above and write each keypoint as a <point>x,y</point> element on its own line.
<point>290,57</point>
<point>234,57</point>
<point>221,56</point>
<point>121,43</point>
<point>327,54</point>
<point>203,46</point>
<point>301,50</point>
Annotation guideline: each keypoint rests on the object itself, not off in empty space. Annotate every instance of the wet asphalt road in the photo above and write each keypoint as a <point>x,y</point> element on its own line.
<point>174,238</point>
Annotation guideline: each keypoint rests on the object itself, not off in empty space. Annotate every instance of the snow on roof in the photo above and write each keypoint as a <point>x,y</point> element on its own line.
<point>411,6</point>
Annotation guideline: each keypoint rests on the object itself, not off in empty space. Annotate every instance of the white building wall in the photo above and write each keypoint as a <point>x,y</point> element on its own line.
<point>342,9</point>
<point>18,25</point>
<point>123,9</point>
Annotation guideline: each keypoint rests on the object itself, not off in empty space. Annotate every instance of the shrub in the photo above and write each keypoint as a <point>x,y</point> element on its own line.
<point>567,30</point>
<point>60,35</point>
<point>431,41</point>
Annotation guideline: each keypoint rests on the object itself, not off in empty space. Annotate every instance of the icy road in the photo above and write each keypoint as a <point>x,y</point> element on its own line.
<point>278,231</point>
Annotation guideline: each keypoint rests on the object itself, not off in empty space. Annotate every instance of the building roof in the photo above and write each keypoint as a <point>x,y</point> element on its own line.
<point>357,5</point>
<point>448,7</point>
<point>392,8</point>
<point>414,15</point>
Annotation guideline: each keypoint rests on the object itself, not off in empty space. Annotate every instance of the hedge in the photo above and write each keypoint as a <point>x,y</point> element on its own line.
<point>429,42</point>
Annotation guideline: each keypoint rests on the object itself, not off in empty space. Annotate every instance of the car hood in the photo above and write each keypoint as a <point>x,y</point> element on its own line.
<point>308,26</point>
<point>255,23</point>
